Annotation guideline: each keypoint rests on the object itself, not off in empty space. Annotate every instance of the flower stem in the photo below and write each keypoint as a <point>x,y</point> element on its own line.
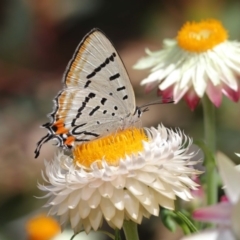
<point>130,230</point>
<point>210,140</point>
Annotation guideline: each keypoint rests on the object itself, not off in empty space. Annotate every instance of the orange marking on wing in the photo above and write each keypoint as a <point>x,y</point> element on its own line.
<point>60,128</point>
<point>70,80</point>
<point>61,104</point>
<point>61,99</point>
<point>58,123</point>
<point>64,102</point>
<point>69,140</point>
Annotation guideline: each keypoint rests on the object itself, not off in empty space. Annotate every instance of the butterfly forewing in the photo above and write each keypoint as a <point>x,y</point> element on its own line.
<point>97,98</point>
<point>97,65</point>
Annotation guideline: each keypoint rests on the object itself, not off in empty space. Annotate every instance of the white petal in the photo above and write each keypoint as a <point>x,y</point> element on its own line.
<point>74,218</point>
<point>53,210</point>
<point>87,192</point>
<point>163,188</point>
<point>173,77</point>
<point>145,177</point>
<point>186,78</point>
<point>199,82</point>
<point>95,218</point>
<point>108,209</point>
<point>64,218</point>
<point>131,205</point>
<point>95,184</point>
<point>230,57</point>
<point>106,190</point>
<point>152,208</point>
<point>230,177</point>
<point>119,182</point>
<point>117,220</point>
<point>118,199</point>
<point>144,199</point>
<point>179,92</point>
<point>164,201</point>
<point>211,71</point>
<point>183,193</point>
<point>86,225</point>
<point>145,62</point>
<point>214,234</point>
<point>84,209</point>
<point>135,187</point>
<point>58,199</point>
<point>74,199</point>
<point>152,77</point>
<point>62,208</point>
<point>168,42</point>
<point>94,200</point>
<point>227,75</point>
<point>235,217</point>
<point>145,213</point>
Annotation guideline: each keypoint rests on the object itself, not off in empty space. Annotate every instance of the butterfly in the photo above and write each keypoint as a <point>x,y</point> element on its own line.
<point>97,98</point>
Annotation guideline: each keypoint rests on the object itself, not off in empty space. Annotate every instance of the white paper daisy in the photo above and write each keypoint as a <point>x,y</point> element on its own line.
<point>124,176</point>
<point>200,60</point>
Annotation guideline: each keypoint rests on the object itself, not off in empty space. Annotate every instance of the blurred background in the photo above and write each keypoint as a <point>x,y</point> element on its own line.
<point>38,38</point>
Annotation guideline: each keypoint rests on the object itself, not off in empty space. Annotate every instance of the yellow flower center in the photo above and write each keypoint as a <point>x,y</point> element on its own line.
<point>110,148</point>
<point>42,227</point>
<point>202,36</point>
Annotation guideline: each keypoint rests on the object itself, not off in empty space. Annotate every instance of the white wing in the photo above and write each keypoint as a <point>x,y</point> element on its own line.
<point>97,98</point>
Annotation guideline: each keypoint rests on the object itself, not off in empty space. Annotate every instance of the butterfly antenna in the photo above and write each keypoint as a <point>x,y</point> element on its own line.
<point>161,101</point>
<point>145,109</point>
<point>41,142</point>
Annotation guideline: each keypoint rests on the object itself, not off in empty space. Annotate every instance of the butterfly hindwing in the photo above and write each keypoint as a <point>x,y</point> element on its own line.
<point>97,97</point>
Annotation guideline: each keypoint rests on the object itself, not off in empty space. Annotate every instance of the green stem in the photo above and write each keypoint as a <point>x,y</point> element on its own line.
<point>210,140</point>
<point>130,230</point>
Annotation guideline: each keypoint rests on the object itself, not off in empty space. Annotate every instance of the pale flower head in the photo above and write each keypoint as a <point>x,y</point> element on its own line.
<point>124,176</point>
<point>225,214</point>
<point>201,60</point>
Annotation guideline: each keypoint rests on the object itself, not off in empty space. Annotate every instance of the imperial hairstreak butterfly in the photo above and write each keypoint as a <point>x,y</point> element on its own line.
<point>97,98</point>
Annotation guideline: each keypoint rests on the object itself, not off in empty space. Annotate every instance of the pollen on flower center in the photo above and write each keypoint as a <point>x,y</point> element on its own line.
<point>202,36</point>
<point>110,148</point>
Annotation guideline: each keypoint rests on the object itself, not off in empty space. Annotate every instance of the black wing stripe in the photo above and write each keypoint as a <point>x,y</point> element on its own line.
<point>121,88</point>
<point>94,110</point>
<point>114,77</point>
<point>102,65</point>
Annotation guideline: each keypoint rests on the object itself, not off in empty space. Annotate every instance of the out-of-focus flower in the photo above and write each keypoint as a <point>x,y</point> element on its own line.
<point>42,227</point>
<point>123,176</point>
<point>200,60</point>
<point>68,234</point>
<point>227,213</point>
<point>198,197</point>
